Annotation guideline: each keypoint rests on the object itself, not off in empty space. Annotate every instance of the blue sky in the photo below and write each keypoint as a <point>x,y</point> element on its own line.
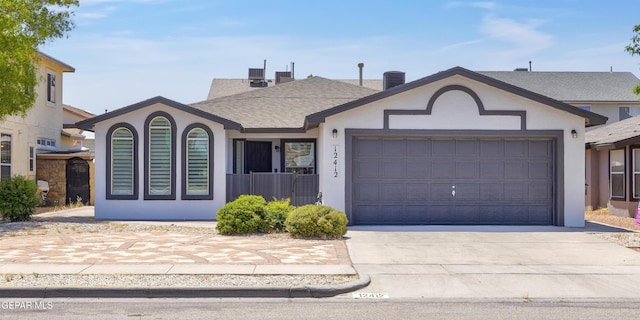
<point>125,51</point>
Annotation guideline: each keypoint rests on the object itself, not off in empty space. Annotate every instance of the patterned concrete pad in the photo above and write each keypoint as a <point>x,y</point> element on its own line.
<point>70,243</point>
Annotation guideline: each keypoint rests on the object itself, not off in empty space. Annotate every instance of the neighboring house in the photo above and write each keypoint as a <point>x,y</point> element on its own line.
<point>37,146</point>
<point>613,167</point>
<point>456,147</point>
<point>39,131</point>
<point>606,93</point>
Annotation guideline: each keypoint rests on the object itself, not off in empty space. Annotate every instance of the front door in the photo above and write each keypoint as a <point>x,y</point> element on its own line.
<point>77,181</point>
<point>258,157</point>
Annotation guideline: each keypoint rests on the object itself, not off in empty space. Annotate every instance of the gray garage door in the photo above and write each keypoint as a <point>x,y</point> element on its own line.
<point>452,181</point>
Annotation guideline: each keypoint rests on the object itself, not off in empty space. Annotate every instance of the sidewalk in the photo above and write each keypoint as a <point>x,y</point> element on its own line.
<point>79,245</point>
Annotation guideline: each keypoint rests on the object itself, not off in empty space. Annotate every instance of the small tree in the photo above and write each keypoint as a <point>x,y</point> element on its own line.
<point>634,49</point>
<point>18,198</point>
<point>24,26</point>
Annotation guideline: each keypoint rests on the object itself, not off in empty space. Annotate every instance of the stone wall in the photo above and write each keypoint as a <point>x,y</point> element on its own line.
<point>53,171</point>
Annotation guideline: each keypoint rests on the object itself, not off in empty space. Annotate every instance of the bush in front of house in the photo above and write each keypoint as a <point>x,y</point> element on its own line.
<point>246,214</point>
<point>19,198</point>
<point>317,221</point>
<point>276,212</point>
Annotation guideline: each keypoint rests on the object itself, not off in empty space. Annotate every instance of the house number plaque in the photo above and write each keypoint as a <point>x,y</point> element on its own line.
<point>334,159</point>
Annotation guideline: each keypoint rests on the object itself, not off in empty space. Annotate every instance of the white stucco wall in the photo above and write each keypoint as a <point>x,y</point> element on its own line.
<point>159,209</point>
<point>456,110</point>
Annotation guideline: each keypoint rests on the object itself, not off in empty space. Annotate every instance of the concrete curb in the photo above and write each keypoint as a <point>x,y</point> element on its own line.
<point>169,292</point>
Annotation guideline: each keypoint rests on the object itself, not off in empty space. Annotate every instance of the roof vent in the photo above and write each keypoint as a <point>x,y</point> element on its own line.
<point>392,79</point>
<point>283,76</point>
<point>521,69</point>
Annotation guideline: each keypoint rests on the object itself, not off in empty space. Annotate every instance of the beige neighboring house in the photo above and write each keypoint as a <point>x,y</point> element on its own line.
<point>39,131</point>
<point>38,146</point>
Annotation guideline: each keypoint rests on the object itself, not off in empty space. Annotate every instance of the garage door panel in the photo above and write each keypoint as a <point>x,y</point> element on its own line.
<point>367,168</point>
<point>367,192</point>
<point>491,149</point>
<point>418,148</point>
<point>467,192</point>
<point>442,148</point>
<point>417,169</point>
<point>393,169</point>
<point>441,192</point>
<point>466,169</point>
<point>491,169</point>
<point>393,148</point>
<point>392,192</point>
<point>368,215</point>
<point>491,192</point>
<point>516,170</point>
<point>410,181</point>
<point>417,192</point>
<point>539,170</point>
<point>368,147</point>
<point>442,169</point>
<point>539,192</point>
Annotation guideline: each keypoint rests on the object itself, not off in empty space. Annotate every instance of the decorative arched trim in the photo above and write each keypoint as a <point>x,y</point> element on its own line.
<point>108,164</point>
<point>185,135</point>
<point>472,94</point>
<point>147,158</point>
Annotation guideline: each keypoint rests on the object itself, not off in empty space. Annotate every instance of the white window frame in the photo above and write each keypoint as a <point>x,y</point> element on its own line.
<point>32,158</point>
<point>160,157</point>
<point>635,155</point>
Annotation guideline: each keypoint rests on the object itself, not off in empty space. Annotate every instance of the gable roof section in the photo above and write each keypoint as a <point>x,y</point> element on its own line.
<point>90,123</point>
<point>591,118</point>
<point>614,135</point>
<point>283,108</point>
<point>573,86</point>
<point>65,67</point>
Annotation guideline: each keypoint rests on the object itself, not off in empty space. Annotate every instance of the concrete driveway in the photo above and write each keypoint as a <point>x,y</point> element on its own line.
<point>493,262</point>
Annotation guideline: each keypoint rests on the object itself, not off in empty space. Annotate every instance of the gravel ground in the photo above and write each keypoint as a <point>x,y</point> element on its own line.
<point>627,239</point>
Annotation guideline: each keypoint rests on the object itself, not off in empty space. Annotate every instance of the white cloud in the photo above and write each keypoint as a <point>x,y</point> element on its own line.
<point>485,5</point>
<point>522,37</point>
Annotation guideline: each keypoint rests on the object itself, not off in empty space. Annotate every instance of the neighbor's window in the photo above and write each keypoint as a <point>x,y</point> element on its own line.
<point>299,157</point>
<point>616,174</point>
<point>628,112</point>
<point>122,162</point>
<point>585,108</point>
<point>5,156</point>
<point>636,173</point>
<point>160,157</point>
<point>32,162</point>
<point>51,88</point>
<point>196,174</point>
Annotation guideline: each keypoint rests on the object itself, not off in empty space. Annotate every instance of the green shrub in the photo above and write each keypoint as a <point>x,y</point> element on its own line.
<point>317,221</point>
<point>243,215</point>
<point>276,213</point>
<point>19,198</point>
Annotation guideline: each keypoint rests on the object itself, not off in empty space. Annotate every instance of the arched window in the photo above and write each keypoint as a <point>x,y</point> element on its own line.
<point>160,157</point>
<point>122,170</point>
<point>197,169</point>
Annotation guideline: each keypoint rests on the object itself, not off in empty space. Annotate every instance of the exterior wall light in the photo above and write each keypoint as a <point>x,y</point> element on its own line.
<point>335,133</point>
<point>277,148</point>
<point>574,134</point>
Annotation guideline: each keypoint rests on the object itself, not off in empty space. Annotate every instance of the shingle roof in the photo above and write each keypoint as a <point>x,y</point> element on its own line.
<point>616,134</point>
<point>285,105</point>
<point>227,87</point>
<point>573,86</point>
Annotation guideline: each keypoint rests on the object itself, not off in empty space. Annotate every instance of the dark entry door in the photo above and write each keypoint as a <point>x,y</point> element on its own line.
<point>258,156</point>
<point>77,181</point>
